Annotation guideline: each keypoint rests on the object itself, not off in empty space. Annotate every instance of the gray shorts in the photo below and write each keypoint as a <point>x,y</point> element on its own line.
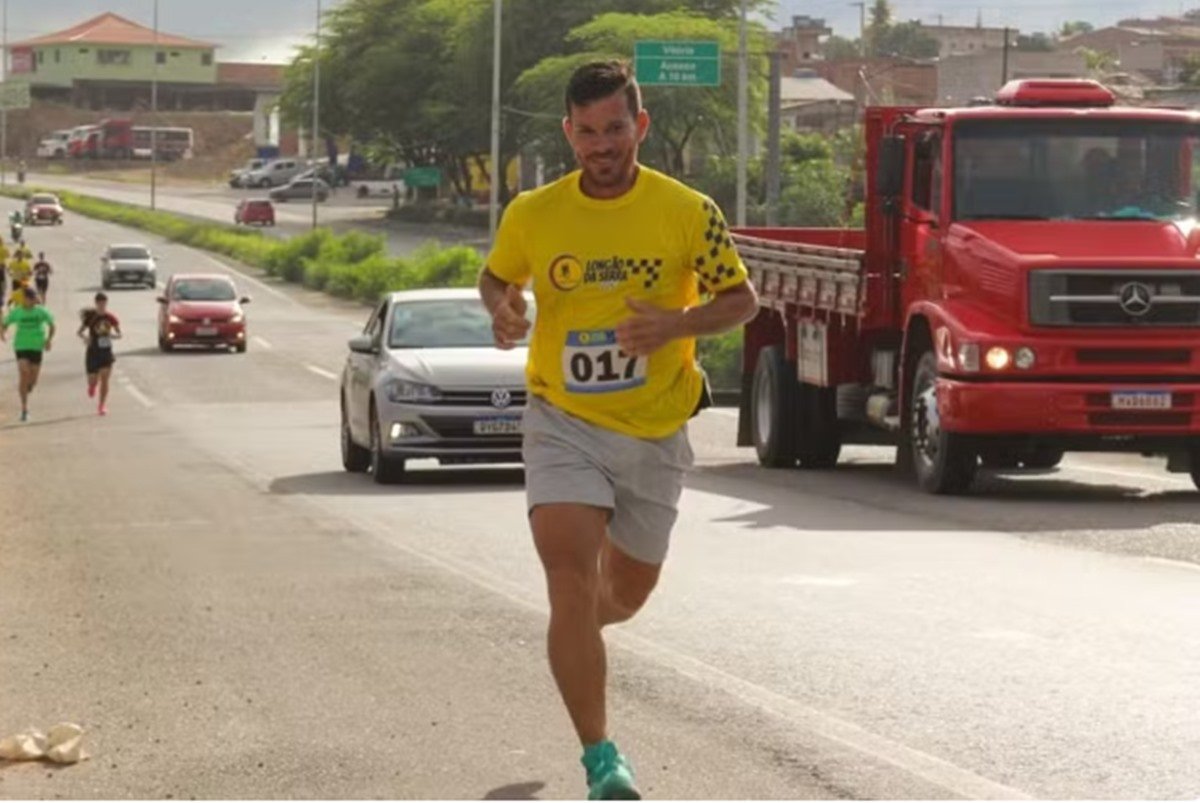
<point>568,460</point>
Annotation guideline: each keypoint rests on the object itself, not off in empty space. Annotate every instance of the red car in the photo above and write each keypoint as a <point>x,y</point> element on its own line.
<point>259,211</point>
<point>201,309</point>
<point>43,208</point>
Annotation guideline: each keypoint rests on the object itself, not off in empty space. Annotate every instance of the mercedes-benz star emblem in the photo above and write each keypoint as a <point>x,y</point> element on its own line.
<point>501,398</point>
<point>1136,299</point>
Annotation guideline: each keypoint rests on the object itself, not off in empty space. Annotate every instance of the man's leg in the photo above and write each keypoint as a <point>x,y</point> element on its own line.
<point>568,538</point>
<point>625,584</point>
<point>104,375</point>
<point>23,367</point>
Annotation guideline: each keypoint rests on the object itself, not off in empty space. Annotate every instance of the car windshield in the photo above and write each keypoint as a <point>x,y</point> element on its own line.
<point>1075,170</point>
<point>203,290</point>
<point>43,199</point>
<point>447,323</point>
<point>129,253</point>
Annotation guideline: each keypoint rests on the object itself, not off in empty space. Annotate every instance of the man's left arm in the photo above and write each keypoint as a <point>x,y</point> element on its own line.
<point>650,328</point>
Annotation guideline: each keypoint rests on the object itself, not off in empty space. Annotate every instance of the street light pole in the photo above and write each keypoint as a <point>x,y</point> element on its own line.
<point>497,168</point>
<point>743,131</point>
<point>316,132</point>
<point>154,118</point>
<point>4,106</point>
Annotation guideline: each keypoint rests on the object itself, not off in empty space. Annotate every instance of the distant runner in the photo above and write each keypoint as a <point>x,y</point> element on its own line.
<point>618,254</point>
<point>98,328</point>
<point>41,276</point>
<point>35,335</point>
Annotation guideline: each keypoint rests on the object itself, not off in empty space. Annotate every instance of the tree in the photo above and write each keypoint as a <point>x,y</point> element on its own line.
<point>1098,61</point>
<point>1035,43</point>
<point>906,40</point>
<point>1075,27</point>
<point>837,47</point>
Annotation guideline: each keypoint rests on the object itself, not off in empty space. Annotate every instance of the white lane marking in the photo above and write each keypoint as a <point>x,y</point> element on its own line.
<point>321,372</point>
<point>262,342</point>
<point>724,411</point>
<point>268,288</point>
<point>131,388</point>
<point>959,781</point>
<point>822,582</point>
<point>1171,562</point>
<point>1129,475</point>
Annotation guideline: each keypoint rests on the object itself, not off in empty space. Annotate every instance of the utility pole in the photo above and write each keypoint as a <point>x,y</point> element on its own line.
<point>774,126</point>
<point>4,107</point>
<point>316,132</point>
<point>1004,60</point>
<point>498,172</point>
<point>862,27</point>
<point>154,118</point>
<point>743,131</point>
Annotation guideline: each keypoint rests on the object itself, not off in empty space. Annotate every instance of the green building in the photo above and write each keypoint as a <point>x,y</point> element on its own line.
<point>109,62</point>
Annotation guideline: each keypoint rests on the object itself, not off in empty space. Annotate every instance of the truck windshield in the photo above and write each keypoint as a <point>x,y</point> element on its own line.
<point>1075,170</point>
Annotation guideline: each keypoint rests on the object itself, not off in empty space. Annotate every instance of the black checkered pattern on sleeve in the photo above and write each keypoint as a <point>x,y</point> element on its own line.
<point>716,261</point>
<point>649,271</point>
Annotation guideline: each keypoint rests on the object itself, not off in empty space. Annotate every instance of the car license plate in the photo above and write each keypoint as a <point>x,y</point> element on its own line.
<point>1141,400</point>
<point>206,331</point>
<point>498,426</point>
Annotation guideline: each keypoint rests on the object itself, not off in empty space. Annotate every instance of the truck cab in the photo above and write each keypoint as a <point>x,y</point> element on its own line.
<point>1026,284</point>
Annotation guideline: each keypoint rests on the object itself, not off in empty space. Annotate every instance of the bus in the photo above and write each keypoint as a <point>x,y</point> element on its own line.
<point>173,143</point>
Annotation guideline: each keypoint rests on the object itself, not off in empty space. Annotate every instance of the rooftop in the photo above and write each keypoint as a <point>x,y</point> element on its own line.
<point>111,29</point>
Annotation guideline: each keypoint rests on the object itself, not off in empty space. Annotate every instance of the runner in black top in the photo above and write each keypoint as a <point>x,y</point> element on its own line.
<point>41,275</point>
<point>98,328</point>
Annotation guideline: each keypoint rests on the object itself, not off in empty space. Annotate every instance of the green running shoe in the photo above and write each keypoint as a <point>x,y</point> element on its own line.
<point>609,775</point>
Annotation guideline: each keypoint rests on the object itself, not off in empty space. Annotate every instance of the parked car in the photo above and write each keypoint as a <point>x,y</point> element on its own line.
<point>128,264</point>
<point>424,380</point>
<point>201,309</point>
<point>300,189</point>
<point>256,210</point>
<point>43,207</point>
<point>274,174</point>
<point>237,174</point>
<point>54,145</point>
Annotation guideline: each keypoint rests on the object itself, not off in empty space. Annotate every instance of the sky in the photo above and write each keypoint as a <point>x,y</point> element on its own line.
<point>268,30</point>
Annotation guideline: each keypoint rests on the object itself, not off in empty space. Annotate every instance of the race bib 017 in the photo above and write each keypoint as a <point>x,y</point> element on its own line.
<point>594,363</point>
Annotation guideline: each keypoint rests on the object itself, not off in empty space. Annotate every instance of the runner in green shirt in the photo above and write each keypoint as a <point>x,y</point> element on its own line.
<point>35,335</point>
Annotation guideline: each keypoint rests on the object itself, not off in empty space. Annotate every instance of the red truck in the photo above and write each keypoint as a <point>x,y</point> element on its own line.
<point>111,139</point>
<point>1027,283</point>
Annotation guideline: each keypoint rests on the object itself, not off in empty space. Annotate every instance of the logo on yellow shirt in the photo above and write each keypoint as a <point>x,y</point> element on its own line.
<point>566,272</point>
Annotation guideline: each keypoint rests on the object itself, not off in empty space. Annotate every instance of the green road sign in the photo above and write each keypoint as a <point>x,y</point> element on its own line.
<point>423,177</point>
<point>672,63</point>
<point>14,95</point>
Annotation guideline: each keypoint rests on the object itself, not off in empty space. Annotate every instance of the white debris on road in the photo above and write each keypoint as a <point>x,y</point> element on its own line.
<point>62,745</point>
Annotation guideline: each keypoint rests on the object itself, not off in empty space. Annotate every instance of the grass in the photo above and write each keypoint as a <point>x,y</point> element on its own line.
<point>352,265</point>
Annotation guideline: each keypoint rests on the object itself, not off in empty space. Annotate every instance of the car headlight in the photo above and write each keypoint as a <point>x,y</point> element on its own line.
<point>174,319</point>
<point>398,390</point>
<point>238,317</point>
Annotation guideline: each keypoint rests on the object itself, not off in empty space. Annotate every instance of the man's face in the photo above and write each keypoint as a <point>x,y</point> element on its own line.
<point>101,306</point>
<point>605,136</point>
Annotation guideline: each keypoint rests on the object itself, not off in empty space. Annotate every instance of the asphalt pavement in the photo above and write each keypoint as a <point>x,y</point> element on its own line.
<point>196,581</point>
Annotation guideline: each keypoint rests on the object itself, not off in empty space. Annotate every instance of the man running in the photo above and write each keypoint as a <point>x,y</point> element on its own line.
<point>41,276</point>
<point>35,335</point>
<point>19,272</point>
<point>98,329</point>
<point>617,254</point>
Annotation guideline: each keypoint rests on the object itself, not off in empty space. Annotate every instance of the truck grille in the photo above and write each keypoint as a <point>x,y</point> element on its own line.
<point>1114,298</point>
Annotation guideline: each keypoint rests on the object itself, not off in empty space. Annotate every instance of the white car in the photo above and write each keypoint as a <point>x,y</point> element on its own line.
<point>128,264</point>
<point>54,146</point>
<point>425,380</point>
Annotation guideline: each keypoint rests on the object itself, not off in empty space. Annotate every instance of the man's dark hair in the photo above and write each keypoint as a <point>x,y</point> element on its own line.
<point>101,297</point>
<point>601,79</point>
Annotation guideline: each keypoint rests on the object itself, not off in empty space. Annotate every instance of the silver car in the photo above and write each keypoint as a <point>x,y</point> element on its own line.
<point>128,264</point>
<point>424,380</point>
<point>300,189</point>
<point>273,174</point>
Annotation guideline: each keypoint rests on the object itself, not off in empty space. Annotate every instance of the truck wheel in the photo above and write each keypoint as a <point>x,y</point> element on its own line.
<point>999,458</point>
<point>774,409</point>
<point>1042,458</point>
<point>819,439</point>
<point>1196,468</point>
<point>942,461</point>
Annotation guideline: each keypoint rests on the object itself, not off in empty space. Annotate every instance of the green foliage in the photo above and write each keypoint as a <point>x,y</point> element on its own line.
<point>1035,43</point>
<point>837,47</point>
<point>1073,27</point>
<point>721,357</point>
<point>887,39</point>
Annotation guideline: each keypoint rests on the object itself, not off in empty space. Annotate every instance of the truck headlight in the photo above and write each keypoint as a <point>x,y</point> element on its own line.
<point>968,356</point>
<point>399,390</point>
<point>998,358</point>
<point>1025,358</point>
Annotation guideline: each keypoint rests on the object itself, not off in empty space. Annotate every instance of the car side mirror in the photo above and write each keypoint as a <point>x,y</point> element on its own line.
<point>244,300</point>
<point>363,344</point>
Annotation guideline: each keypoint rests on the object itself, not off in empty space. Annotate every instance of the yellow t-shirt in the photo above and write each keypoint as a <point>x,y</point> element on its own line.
<point>586,256</point>
<point>20,270</point>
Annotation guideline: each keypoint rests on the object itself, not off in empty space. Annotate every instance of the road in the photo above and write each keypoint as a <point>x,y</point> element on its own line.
<point>195,580</point>
<point>217,203</point>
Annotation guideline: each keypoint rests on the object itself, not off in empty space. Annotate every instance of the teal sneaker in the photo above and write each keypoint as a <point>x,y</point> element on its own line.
<point>609,775</point>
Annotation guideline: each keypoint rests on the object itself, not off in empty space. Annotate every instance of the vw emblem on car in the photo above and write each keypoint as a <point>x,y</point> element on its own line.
<point>501,398</point>
<point>1136,299</point>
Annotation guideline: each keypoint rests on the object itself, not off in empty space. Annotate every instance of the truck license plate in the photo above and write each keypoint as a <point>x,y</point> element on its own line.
<point>1141,400</point>
<point>498,426</point>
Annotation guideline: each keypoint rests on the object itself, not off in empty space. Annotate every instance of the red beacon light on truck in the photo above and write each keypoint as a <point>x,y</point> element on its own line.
<point>1068,92</point>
